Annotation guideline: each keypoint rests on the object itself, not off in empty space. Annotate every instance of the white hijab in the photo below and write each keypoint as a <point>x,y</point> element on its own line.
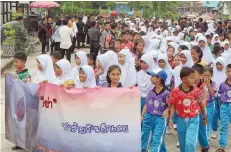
<point>154,54</point>
<point>213,39</point>
<point>219,76</point>
<point>65,66</point>
<point>47,72</point>
<point>189,63</point>
<point>105,63</point>
<point>154,44</point>
<point>128,70</point>
<point>143,79</point>
<point>167,67</point>
<point>83,58</point>
<point>207,55</point>
<point>113,57</point>
<point>175,46</point>
<point>90,81</point>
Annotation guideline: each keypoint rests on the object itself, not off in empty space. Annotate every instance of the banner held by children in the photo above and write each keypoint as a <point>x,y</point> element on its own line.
<point>76,119</point>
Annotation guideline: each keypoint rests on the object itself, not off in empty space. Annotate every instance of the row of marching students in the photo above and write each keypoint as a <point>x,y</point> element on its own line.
<point>187,92</point>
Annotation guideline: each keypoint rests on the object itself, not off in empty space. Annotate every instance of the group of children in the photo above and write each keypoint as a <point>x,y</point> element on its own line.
<point>180,85</point>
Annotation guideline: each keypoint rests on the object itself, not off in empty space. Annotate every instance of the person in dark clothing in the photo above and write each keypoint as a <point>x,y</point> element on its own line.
<point>49,26</point>
<point>94,35</point>
<point>80,36</point>
<point>42,34</point>
<point>88,26</point>
<point>219,29</point>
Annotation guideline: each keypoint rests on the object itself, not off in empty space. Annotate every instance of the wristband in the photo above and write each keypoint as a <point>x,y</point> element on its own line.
<point>204,117</point>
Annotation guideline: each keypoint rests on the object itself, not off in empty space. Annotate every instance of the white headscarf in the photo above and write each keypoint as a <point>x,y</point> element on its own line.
<point>213,39</point>
<point>65,66</point>
<point>219,76</point>
<point>83,58</point>
<point>105,63</point>
<point>143,79</point>
<point>128,70</point>
<point>154,54</point>
<point>113,57</point>
<point>167,67</point>
<point>175,46</point>
<point>90,82</point>
<point>47,72</point>
<point>207,55</point>
<point>189,63</point>
<point>154,44</point>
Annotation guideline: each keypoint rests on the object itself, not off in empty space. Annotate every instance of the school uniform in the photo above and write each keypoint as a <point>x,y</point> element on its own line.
<point>225,112</point>
<point>210,110</point>
<point>203,135</point>
<point>153,121</point>
<point>187,110</point>
<point>119,86</point>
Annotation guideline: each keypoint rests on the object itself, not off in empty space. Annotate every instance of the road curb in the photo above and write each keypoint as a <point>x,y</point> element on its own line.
<point>10,62</point>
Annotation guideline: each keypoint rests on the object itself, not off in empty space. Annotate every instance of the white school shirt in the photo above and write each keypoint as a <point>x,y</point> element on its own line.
<point>65,34</point>
<point>75,29</point>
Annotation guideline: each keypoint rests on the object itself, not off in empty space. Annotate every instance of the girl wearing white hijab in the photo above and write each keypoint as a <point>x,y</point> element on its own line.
<point>63,72</point>
<point>143,79</point>
<point>81,60</point>
<point>113,57</point>
<point>186,61</point>
<point>216,39</point>
<point>154,44</point>
<point>86,77</point>
<point>103,64</point>
<point>219,74</point>
<point>207,55</point>
<point>166,67</point>
<point>46,69</point>
<point>154,54</point>
<point>127,66</point>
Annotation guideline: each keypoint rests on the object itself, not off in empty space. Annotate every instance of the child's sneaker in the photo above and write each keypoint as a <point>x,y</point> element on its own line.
<point>213,135</point>
<point>168,131</point>
<point>174,126</point>
<point>178,144</point>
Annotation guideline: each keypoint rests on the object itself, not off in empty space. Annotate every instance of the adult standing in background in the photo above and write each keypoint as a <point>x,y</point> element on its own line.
<point>49,33</point>
<point>80,35</point>
<point>107,28</point>
<point>42,34</point>
<point>94,35</point>
<point>56,36</point>
<point>75,30</point>
<point>66,34</point>
<point>88,26</point>
<point>20,35</point>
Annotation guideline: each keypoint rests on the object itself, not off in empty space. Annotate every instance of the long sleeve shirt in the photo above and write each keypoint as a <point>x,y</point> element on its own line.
<point>66,34</point>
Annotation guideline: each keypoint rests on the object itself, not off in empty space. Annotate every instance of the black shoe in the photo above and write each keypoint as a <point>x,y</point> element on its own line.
<point>16,148</point>
<point>205,149</point>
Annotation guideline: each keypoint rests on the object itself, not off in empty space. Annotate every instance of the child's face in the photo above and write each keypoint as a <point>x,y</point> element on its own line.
<point>189,80</point>
<point>117,45</point>
<point>98,64</point>
<point>82,76</point>
<point>183,59</point>
<point>58,71</point>
<point>18,64</point>
<point>121,59</point>
<point>140,47</point>
<point>162,64</point>
<point>136,37</point>
<point>130,38</point>
<point>207,75</point>
<point>77,60</point>
<point>40,68</point>
<point>179,50</point>
<point>155,80</point>
<point>20,109</point>
<point>226,47</point>
<point>176,61</point>
<point>170,52</point>
<point>219,52</point>
<point>197,77</point>
<point>219,66</point>
<point>228,72</point>
<point>195,55</point>
<point>209,40</point>
<point>216,38</point>
<point>202,44</point>
<point>143,65</point>
<point>125,38</point>
<point>115,76</point>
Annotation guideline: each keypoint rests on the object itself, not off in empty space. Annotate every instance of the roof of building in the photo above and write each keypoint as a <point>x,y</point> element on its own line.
<point>211,4</point>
